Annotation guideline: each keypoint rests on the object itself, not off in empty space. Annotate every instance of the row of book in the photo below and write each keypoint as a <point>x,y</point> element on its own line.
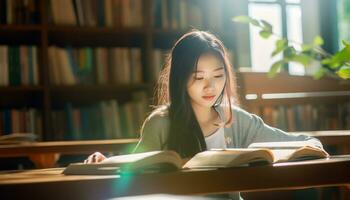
<point>159,56</point>
<point>182,14</point>
<point>69,66</point>
<point>104,120</point>
<point>308,117</point>
<point>26,120</point>
<point>168,14</point>
<point>158,61</point>
<point>19,12</point>
<point>106,13</point>
<point>19,65</point>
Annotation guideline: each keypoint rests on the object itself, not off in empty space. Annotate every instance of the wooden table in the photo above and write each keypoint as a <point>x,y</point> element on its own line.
<point>51,184</point>
<point>46,154</point>
<point>329,138</point>
<point>340,139</point>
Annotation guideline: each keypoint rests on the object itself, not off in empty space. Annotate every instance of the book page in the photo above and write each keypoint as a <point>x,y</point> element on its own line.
<point>282,155</point>
<point>129,158</point>
<point>307,152</point>
<point>139,162</point>
<point>228,158</point>
<point>281,145</point>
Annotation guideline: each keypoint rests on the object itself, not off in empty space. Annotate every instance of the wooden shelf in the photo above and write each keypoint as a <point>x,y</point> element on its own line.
<point>100,88</point>
<point>165,38</point>
<point>89,94</point>
<point>14,89</point>
<point>294,101</point>
<point>47,97</point>
<point>20,27</point>
<point>20,34</point>
<point>21,96</point>
<point>259,83</point>
<point>95,36</point>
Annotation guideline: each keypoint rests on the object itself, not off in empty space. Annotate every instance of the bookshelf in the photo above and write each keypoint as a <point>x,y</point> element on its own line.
<point>318,104</point>
<point>297,103</point>
<point>159,24</point>
<point>152,37</point>
<point>112,29</point>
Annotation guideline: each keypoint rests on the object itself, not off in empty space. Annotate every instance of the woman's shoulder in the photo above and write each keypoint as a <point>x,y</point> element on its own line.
<point>236,110</point>
<point>160,112</point>
<point>158,116</point>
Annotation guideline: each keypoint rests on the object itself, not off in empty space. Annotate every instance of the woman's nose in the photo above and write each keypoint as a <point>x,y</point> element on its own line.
<point>209,84</point>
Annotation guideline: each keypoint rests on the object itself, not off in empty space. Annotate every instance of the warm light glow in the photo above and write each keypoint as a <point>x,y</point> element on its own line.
<point>304,94</point>
<point>251,96</point>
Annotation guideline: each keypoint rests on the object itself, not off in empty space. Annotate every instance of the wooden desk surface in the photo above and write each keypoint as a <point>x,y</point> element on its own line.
<point>337,138</point>
<point>66,147</point>
<point>46,154</point>
<point>51,184</point>
<point>89,146</point>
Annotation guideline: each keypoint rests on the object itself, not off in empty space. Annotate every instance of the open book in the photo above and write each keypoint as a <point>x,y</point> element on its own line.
<point>156,161</point>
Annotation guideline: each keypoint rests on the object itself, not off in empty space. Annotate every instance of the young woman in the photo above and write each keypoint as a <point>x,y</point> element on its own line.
<point>197,107</point>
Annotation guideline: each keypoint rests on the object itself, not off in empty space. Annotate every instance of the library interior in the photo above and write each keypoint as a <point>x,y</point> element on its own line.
<point>80,76</point>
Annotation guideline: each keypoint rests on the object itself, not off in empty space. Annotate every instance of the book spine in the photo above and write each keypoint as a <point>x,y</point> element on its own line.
<point>3,12</point>
<point>7,122</point>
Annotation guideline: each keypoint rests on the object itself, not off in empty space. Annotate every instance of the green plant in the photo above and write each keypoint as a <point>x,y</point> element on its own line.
<point>337,63</point>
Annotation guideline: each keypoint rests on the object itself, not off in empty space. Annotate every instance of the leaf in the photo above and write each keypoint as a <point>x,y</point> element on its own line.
<point>245,19</point>
<point>318,41</point>
<point>319,73</point>
<point>344,72</point>
<point>331,62</point>
<point>334,65</point>
<point>266,26</point>
<point>289,52</point>
<point>306,47</point>
<point>275,67</point>
<point>343,55</point>
<point>280,46</point>
<point>345,43</point>
<point>326,61</point>
<point>302,59</point>
<point>265,34</point>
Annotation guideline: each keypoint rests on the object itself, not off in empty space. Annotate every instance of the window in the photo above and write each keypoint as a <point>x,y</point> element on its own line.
<point>285,17</point>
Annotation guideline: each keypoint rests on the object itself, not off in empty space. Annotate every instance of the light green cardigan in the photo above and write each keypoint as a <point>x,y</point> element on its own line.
<point>246,128</point>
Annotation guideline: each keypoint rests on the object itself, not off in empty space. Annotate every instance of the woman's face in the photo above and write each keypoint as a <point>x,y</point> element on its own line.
<point>206,84</point>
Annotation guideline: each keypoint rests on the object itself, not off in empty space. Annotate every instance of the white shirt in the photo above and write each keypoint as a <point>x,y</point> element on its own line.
<point>216,140</point>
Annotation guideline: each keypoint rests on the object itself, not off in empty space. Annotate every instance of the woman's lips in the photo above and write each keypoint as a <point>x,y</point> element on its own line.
<point>208,98</point>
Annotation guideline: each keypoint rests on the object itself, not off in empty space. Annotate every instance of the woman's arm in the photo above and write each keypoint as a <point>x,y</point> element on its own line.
<point>254,129</point>
<point>153,134</point>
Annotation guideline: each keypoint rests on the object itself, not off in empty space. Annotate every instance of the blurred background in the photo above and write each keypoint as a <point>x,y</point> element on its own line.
<point>89,74</point>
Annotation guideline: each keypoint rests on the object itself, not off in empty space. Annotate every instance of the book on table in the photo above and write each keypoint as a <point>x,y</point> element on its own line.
<point>155,161</point>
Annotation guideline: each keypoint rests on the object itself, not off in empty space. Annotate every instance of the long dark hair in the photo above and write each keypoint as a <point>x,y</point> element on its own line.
<point>185,136</point>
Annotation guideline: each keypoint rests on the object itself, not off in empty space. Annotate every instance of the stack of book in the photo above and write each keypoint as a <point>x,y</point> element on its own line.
<point>308,117</point>
<point>104,13</point>
<point>19,65</point>
<point>103,120</point>
<point>182,14</point>
<point>19,12</point>
<point>70,66</point>
<point>20,121</point>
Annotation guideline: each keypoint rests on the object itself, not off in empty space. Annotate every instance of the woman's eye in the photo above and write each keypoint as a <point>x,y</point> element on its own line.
<point>219,76</point>
<point>198,78</point>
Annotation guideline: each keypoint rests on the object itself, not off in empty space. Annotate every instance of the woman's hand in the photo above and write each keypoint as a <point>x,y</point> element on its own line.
<point>95,158</point>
